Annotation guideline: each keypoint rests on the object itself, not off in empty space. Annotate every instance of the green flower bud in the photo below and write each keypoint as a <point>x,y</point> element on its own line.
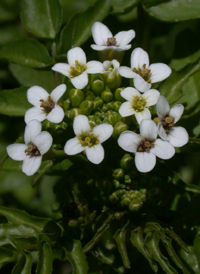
<point>109,105</point>
<point>127,120</point>
<point>112,80</point>
<point>107,95</point>
<point>116,195</point>
<point>118,173</point>
<point>90,96</point>
<point>135,206</point>
<point>113,118</point>
<point>86,107</point>
<point>98,103</point>
<point>73,223</point>
<point>117,105</point>
<point>73,112</point>
<point>81,219</point>
<point>118,96</point>
<point>76,96</point>
<point>116,183</point>
<point>97,87</point>
<point>104,108</point>
<point>119,127</point>
<point>127,161</point>
<point>98,121</point>
<point>67,104</point>
<point>127,179</point>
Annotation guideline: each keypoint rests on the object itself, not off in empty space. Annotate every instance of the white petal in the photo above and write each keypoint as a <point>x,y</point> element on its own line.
<point>81,125</point>
<point>73,147</point>
<point>34,113</point>
<point>100,33</point>
<point>80,81</point>
<point>35,94</point>
<point>151,96</point>
<point>95,154</point>
<point>159,72</point>
<point>58,92</point>
<point>148,129</point>
<point>122,48</point>
<point>94,67</point>
<point>106,65</point>
<point>56,115</point>
<point>43,141</point>
<point>129,93</point>
<point>162,107</point>
<point>99,48</point>
<point>163,149</point>
<point>126,109</point>
<point>178,136</point>
<point>17,151</point>
<point>139,57</point>
<point>33,128</point>
<point>162,133</point>
<point>103,132</point>
<point>176,112</point>
<point>145,114</point>
<point>62,68</point>
<point>145,161</point>
<point>76,54</point>
<point>31,164</point>
<point>140,83</point>
<point>126,72</point>
<point>124,37</point>
<point>115,63</point>
<point>129,141</point>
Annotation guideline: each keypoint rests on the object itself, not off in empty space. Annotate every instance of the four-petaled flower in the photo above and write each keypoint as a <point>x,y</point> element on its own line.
<point>36,144</point>
<point>138,103</point>
<point>88,140</point>
<point>145,146</point>
<point>104,39</point>
<point>176,136</point>
<point>142,73</point>
<point>45,104</point>
<point>78,69</point>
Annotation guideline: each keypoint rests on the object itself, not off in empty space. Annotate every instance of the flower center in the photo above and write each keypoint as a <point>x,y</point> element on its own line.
<point>111,68</point>
<point>32,150</point>
<point>47,105</point>
<point>88,139</point>
<point>138,103</point>
<point>77,69</point>
<point>145,145</point>
<point>144,73</point>
<point>167,122</point>
<point>111,42</point>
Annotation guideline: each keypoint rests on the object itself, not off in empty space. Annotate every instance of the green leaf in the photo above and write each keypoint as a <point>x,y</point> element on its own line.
<point>45,259</point>
<point>78,30</point>
<point>172,87</point>
<point>76,257</point>
<point>6,256</point>
<point>42,18</point>
<point>8,11</point>
<point>29,77</point>
<point>120,238</point>
<point>8,241</point>
<point>190,260</point>
<point>122,6</point>
<point>14,102</point>
<point>179,64</point>
<point>174,10</point>
<point>21,231</point>
<point>176,180</point>
<point>24,264</point>
<point>10,32</point>
<point>28,52</point>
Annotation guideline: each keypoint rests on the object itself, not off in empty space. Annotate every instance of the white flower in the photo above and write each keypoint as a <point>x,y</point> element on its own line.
<point>111,73</point>
<point>138,103</point>
<point>176,136</point>
<point>142,73</point>
<point>45,104</point>
<point>145,146</point>
<point>77,70</point>
<point>36,144</point>
<point>105,40</point>
<point>88,140</point>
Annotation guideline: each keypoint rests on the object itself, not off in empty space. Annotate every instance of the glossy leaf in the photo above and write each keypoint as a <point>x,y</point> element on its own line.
<point>42,18</point>
<point>17,230</point>
<point>78,30</point>
<point>179,64</point>
<point>122,6</point>
<point>172,87</point>
<point>190,260</point>
<point>14,102</point>
<point>45,259</point>
<point>174,10</point>
<point>8,241</point>
<point>29,77</point>
<point>24,264</point>
<point>28,52</point>
<point>76,257</point>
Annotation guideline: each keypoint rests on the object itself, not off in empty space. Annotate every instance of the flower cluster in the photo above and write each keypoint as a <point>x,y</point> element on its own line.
<point>101,108</point>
